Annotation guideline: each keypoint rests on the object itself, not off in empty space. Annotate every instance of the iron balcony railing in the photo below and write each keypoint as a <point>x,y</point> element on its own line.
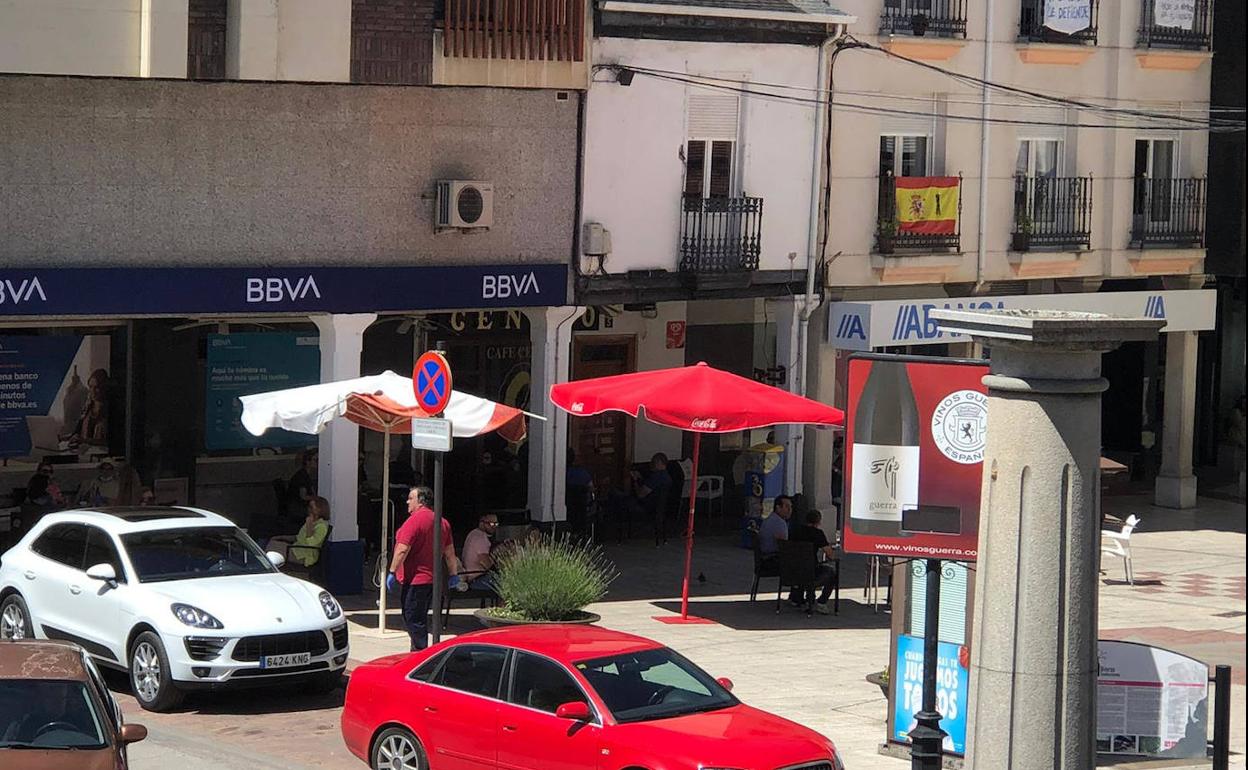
<point>1168,212</point>
<point>890,235</point>
<point>532,30</point>
<point>1052,213</point>
<point>1157,33</point>
<point>720,234</point>
<point>938,18</point>
<point>1031,25</point>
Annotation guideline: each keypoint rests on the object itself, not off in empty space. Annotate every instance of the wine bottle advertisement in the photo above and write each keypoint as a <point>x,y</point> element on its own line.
<point>914,439</point>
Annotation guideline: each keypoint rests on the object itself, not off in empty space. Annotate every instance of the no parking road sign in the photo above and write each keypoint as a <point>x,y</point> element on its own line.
<point>431,380</point>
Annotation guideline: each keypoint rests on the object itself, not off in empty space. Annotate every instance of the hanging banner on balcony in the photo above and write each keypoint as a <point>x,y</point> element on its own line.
<point>1180,14</point>
<point>1068,16</point>
<point>927,204</point>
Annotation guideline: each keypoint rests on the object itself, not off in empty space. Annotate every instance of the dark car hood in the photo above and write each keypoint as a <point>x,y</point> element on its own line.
<point>740,736</point>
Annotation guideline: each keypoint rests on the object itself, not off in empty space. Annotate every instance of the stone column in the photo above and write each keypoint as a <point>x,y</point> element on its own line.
<point>342,342</point>
<point>550,329</point>
<point>1033,650</point>
<point>1176,484</point>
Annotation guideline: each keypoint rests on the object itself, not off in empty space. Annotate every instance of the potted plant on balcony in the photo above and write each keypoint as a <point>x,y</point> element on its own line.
<point>1022,233</point>
<point>548,580</point>
<point>886,235</point>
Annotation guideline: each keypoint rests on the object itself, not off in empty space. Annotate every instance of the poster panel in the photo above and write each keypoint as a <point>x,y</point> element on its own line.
<point>952,689</point>
<point>243,364</point>
<point>1068,16</point>
<point>54,395</point>
<point>915,432</point>
<point>1150,702</point>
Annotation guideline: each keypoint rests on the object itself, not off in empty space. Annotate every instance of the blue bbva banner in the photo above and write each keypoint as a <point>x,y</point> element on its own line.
<point>952,690</point>
<point>183,291</point>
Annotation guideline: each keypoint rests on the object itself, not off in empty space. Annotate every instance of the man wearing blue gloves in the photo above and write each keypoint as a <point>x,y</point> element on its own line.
<point>411,569</point>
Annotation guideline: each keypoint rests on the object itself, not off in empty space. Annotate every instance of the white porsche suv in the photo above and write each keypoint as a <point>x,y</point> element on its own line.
<point>179,597</point>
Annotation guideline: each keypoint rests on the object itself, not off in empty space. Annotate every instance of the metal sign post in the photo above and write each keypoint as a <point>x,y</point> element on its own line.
<point>431,381</point>
<point>927,739</point>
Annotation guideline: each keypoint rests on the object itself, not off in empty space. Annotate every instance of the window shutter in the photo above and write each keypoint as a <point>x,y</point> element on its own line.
<point>713,115</point>
<point>952,626</point>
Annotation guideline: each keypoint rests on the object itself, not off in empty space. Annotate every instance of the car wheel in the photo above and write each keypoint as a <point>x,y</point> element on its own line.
<point>397,749</point>
<point>149,674</point>
<point>15,620</point>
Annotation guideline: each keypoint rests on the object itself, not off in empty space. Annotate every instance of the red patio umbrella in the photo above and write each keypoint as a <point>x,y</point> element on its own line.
<point>700,399</point>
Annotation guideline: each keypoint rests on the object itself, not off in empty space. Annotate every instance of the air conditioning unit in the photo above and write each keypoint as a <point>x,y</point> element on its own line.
<point>465,205</point>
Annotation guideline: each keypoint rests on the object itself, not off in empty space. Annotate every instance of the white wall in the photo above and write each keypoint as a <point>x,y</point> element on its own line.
<point>634,175</point>
<point>1112,72</point>
<point>305,40</point>
<point>72,37</point>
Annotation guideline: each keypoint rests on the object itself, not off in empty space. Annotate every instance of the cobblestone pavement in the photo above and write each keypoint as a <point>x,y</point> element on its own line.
<point>1188,596</point>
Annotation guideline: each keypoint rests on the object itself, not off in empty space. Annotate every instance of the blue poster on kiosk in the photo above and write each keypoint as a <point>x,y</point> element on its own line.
<point>54,395</point>
<point>952,690</point>
<point>243,364</point>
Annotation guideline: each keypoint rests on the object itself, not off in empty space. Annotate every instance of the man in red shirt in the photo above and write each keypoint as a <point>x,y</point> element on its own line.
<point>412,565</point>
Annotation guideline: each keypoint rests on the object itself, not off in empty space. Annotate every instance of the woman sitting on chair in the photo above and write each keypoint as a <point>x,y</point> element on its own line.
<point>304,548</point>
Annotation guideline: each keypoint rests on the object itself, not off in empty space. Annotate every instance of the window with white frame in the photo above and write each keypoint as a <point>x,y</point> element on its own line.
<point>711,147</point>
<point>905,155</point>
<point>1155,167</point>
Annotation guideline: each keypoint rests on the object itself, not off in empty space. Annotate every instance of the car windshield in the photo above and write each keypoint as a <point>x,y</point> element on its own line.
<point>653,684</point>
<point>43,714</point>
<point>198,552</point>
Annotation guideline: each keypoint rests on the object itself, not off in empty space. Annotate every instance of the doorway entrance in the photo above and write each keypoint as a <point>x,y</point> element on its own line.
<point>603,443</point>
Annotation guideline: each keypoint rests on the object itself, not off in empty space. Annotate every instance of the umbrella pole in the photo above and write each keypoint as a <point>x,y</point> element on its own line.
<point>439,567</point>
<point>693,506</point>
<point>385,530</point>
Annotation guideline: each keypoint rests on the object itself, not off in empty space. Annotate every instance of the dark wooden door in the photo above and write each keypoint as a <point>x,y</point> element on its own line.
<point>603,443</point>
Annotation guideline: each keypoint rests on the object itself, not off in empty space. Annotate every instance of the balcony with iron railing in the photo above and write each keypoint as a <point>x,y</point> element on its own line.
<point>1168,213</point>
<point>527,30</point>
<point>1052,213</point>
<point>1035,28</point>
<point>931,222</point>
<point>935,18</point>
<point>1185,26</point>
<point>720,235</point>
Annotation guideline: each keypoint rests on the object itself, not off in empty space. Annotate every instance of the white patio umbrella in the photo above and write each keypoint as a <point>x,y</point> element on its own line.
<point>385,403</point>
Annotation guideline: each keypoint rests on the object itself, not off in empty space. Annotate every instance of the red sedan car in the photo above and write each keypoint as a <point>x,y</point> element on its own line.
<point>562,698</point>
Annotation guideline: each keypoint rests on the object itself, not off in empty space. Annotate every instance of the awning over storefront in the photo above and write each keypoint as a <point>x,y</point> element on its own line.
<point>171,291</point>
<point>884,323</point>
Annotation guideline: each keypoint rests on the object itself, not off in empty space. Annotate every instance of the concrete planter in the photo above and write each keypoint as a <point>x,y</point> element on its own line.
<point>490,620</point>
<point>878,679</point>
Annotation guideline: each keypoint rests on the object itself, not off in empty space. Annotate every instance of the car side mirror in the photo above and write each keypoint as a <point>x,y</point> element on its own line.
<point>103,572</point>
<point>577,711</point>
<point>725,683</point>
<point>132,733</point>
<point>276,559</point>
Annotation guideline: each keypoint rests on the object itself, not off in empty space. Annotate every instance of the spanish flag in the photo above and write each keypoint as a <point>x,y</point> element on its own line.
<point>927,204</point>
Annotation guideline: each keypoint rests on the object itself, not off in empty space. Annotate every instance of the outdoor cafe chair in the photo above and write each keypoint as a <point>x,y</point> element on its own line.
<point>319,572</point>
<point>1119,544</point>
<point>765,566</point>
<point>485,596</point>
<point>798,566</point>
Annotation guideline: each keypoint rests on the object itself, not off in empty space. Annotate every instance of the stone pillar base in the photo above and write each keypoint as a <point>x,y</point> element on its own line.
<point>1176,491</point>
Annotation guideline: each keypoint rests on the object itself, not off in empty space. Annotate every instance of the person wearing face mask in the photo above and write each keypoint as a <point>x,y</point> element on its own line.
<point>105,488</point>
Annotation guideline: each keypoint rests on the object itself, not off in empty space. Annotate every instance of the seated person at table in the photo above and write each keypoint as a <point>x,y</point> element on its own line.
<point>811,532</point>
<point>478,561</point>
<point>776,526</point>
<point>304,548</point>
<point>650,494</point>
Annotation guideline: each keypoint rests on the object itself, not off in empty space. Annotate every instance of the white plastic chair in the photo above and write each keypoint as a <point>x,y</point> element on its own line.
<point>1119,544</point>
<point>710,488</point>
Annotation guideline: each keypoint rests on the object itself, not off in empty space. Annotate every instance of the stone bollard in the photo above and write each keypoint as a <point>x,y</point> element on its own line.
<point>1033,644</point>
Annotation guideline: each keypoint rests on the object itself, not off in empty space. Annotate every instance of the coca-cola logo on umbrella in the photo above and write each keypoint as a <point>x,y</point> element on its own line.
<point>707,423</point>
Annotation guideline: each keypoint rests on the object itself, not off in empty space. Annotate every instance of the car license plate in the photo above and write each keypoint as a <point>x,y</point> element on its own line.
<point>286,661</point>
